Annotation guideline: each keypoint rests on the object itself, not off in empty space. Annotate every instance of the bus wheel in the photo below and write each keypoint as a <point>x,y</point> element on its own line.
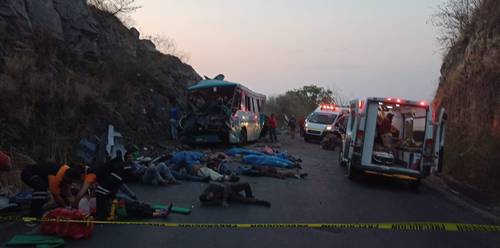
<point>243,137</point>
<point>414,185</point>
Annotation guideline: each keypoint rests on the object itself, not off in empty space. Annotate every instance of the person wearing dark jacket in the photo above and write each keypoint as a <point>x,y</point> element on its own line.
<point>292,125</point>
<point>109,178</point>
<point>50,176</point>
<point>221,194</point>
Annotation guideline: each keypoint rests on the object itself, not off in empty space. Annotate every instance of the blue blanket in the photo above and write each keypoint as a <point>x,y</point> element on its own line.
<point>267,160</point>
<point>242,151</point>
<point>186,158</point>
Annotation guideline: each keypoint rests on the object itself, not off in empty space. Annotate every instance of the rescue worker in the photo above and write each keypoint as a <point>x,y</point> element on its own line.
<point>292,125</point>
<point>388,134</point>
<point>264,125</point>
<point>174,119</point>
<point>109,178</point>
<point>50,175</point>
<point>273,124</point>
<point>302,128</point>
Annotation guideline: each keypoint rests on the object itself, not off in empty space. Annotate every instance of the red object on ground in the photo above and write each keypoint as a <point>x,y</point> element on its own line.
<point>5,163</point>
<point>268,150</point>
<point>67,229</point>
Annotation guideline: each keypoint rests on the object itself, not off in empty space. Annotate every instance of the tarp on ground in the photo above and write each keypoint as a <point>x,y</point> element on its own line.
<point>242,151</point>
<point>266,160</point>
<point>189,157</point>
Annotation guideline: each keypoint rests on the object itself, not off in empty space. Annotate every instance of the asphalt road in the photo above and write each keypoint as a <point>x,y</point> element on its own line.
<point>325,196</point>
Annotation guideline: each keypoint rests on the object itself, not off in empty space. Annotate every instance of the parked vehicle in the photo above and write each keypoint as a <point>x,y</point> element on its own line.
<point>394,138</point>
<point>333,138</point>
<point>222,111</point>
<point>322,120</point>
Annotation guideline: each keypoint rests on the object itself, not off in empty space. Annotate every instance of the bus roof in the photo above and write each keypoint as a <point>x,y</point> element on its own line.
<point>212,83</point>
<point>220,83</point>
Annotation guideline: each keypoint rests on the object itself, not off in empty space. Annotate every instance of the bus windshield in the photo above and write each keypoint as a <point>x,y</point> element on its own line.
<point>321,118</point>
<point>201,99</point>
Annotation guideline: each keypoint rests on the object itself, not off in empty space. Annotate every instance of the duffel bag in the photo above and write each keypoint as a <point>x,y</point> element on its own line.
<point>5,163</point>
<point>63,228</point>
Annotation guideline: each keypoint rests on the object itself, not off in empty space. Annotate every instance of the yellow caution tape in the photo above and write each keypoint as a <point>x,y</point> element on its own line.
<point>403,226</point>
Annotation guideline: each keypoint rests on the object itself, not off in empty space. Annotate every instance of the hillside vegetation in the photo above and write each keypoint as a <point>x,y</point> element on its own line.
<point>469,89</point>
<point>68,69</point>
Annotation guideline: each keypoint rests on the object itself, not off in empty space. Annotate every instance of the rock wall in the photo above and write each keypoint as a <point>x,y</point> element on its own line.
<point>68,70</point>
<point>469,89</point>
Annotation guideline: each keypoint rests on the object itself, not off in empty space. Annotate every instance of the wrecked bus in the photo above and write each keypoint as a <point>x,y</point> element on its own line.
<point>222,112</point>
<point>393,137</point>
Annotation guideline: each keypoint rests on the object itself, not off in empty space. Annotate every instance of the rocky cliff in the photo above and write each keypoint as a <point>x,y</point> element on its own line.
<point>470,91</point>
<point>67,70</point>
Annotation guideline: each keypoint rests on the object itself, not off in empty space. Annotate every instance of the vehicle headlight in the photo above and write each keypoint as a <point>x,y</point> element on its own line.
<point>306,125</point>
<point>328,128</point>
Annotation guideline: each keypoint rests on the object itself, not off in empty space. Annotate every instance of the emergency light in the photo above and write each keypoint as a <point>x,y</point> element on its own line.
<point>328,107</point>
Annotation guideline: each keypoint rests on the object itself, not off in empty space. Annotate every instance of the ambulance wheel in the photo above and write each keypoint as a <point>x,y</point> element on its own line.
<point>341,160</point>
<point>351,172</point>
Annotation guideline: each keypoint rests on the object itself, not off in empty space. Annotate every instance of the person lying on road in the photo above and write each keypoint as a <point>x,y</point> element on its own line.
<point>221,194</point>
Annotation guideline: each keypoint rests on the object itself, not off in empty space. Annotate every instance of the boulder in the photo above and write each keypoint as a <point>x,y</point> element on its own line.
<point>79,25</point>
<point>148,45</point>
<point>16,11</point>
<point>88,47</point>
<point>135,33</point>
<point>44,16</point>
<point>76,18</point>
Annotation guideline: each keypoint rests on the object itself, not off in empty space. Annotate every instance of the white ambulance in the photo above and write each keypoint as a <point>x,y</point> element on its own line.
<point>393,137</point>
<point>322,120</point>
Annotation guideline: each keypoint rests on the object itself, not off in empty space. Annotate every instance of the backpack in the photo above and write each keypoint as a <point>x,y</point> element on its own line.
<point>67,229</point>
<point>5,163</point>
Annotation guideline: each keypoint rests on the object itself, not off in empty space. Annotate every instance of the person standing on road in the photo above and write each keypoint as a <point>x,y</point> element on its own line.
<point>385,131</point>
<point>273,124</point>
<point>292,125</point>
<point>302,128</point>
<point>174,120</point>
<point>221,194</point>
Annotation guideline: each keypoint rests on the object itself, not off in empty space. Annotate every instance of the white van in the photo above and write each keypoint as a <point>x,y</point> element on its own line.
<point>321,121</point>
<point>409,150</point>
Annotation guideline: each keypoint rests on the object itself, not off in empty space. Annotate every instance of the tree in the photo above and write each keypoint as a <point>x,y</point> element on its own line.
<point>301,101</point>
<point>311,95</point>
<point>115,7</point>
<point>453,18</point>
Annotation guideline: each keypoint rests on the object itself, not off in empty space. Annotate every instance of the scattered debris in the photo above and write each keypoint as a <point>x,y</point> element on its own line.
<point>38,241</point>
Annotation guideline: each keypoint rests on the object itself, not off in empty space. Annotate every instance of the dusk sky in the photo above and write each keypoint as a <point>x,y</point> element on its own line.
<point>360,47</point>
